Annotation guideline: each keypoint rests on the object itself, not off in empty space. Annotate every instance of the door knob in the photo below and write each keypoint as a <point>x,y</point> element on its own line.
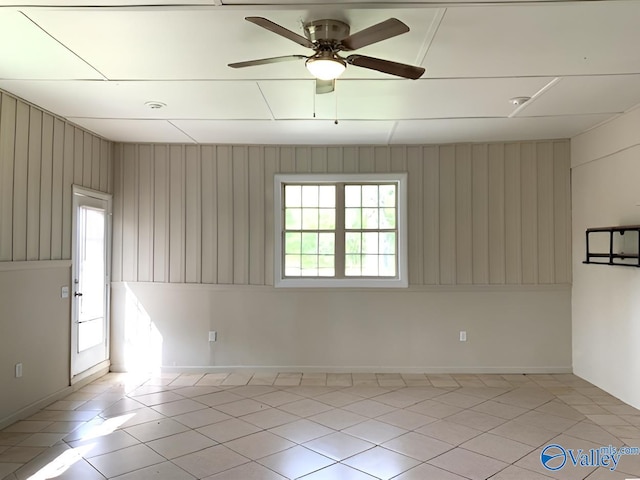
<point>77,294</point>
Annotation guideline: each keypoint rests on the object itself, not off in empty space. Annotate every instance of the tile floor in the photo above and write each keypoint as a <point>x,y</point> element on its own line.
<point>320,426</point>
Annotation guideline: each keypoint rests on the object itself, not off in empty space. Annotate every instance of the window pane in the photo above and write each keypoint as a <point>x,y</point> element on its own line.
<point>326,243</point>
<point>387,218</point>
<point>370,218</point>
<point>387,195</point>
<point>309,262</point>
<point>370,265</point>
<point>293,219</point>
<point>293,242</point>
<point>387,242</point>
<point>352,242</point>
<point>387,266</point>
<point>352,267</point>
<point>327,219</point>
<point>310,243</point>
<point>326,272</point>
<point>328,196</point>
<point>292,196</point>
<point>292,265</point>
<point>309,218</point>
<point>326,261</point>
<point>352,196</point>
<point>352,218</point>
<point>370,195</point>
<point>370,243</point>
<point>310,195</point>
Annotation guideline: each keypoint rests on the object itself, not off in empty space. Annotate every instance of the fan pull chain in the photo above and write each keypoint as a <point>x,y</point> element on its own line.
<point>314,100</point>
<point>335,92</point>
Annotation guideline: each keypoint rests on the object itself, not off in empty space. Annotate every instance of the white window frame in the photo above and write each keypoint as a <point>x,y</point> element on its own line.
<point>402,279</point>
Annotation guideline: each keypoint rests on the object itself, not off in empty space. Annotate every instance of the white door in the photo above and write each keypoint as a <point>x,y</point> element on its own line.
<point>90,277</point>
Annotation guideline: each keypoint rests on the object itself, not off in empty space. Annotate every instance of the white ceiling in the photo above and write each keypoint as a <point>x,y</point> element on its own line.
<point>97,63</point>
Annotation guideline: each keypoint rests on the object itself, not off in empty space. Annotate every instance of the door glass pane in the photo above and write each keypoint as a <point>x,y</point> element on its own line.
<point>91,282</point>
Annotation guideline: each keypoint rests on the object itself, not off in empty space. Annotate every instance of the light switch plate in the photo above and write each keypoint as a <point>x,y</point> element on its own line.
<point>64,292</point>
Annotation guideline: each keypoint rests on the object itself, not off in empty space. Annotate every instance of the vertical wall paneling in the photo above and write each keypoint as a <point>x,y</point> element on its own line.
<point>414,165</point>
<point>546,268</point>
<point>464,216</point>
<point>241,214</point>
<point>176,214</point>
<point>87,160</point>
<point>270,169</point>
<point>34,175</point>
<point>496,221</point>
<point>78,153</point>
<point>110,170</point>
<point>529,213</point>
<point>145,214</point>
<point>161,189</point>
<point>562,209</point>
<point>513,214</point>
<point>318,159</point>
<point>130,213</point>
<point>193,213</point>
<point>67,181</point>
<point>225,215</point>
<point>209,216</point>
<point>431,215</point>
<point>20,179</point>
<point>7,150</point>
<point>118,210</point>
<point>105,166</point>
<point>447,204</point>
<point>46,175</point>
<point>257,211</point>
<point>95,162</point>
<point>56,189</point>
<point>480,213</point>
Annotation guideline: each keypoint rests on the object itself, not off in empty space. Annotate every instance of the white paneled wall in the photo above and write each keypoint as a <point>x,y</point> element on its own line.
<point>41,157</point>
<point>495,213</point>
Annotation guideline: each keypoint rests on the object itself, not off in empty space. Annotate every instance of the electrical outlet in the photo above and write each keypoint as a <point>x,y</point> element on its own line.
<point>18,370</point>
<point>213,336</point>
<point>64,292</point>
<point>463,335</point>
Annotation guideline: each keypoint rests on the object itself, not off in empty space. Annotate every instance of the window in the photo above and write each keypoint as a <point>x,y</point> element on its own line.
<point>340,230</point>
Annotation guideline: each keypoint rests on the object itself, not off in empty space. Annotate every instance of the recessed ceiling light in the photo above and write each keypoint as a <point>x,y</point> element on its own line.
<point>517,101</point>
<point>153,105</point>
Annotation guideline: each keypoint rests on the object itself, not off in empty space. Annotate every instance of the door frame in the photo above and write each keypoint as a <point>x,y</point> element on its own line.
<point>79,191</point>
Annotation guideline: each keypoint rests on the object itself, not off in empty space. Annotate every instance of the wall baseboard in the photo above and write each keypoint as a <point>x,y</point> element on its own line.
<point>367,369</point>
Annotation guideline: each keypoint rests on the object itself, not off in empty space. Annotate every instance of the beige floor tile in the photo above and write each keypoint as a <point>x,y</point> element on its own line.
<point>374,431</point>
<point>277,398</point>
<point>594,433</point>
<point>502,410</point>
<point>497,447</point>
<point>158,398</point>
<point>125,460</point>
<point>212,379</point>
<point>458,400</point>
<point>8,468</point>
<point>123,405</point>
<point>201,418</point>
<point>301,431</point>
<point>398,399</point>
<point>449,432</point>
<point>428,472</point>
<point>468,464</point>
<point>269,418</point>
<point>20,454</point>
<point>218,398</point>
<point>210,461</point>
<point>296,462</point>
<point>606,474</point>
<point>526,397</point>
<point>369,408</point>
<point>316,379</point>
<point>338,419</point>
<point>529,434</point>
<point>406,419</point>
<point>242,407</point>
<point>195,391</point>
<point>477,420</point>
<point>339,380</point>
<point>42,439</point>
<point>161,471</point>
<point>187,380</point>
<point>547,421</point>
<point>65,405</point>
<point>366,391</point>
<point>338,446</point>
<point>228,430</point>
<point>252,391</point>
<point>415,445</point>
<point>630,464</point>
<point>13,438</point>
<point>248,471</point>
<point>608,420</point>
<point>27,426</point>
<point>338,399</point>
<point>381,463</point>
<point>516,473</point>
<point>434,409</point>
<point>484,392</point>
<point>105,443</point>
<point>181,444</point>
<point>181,406</point>
<point>237,379</point>
<point>80,470</point>
<point>288,379</point>
<point>561,409</point>
<point>146,432</point>
<point>263,379</point>
<point>442,381</point>
<point>338,472</point>
<point>305,407</point>
<point>259,445</point>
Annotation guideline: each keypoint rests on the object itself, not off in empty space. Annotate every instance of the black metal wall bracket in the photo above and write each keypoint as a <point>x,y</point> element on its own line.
<point>613,258</point>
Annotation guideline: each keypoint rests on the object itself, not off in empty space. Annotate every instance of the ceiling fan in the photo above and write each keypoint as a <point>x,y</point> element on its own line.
<point>329,37</point>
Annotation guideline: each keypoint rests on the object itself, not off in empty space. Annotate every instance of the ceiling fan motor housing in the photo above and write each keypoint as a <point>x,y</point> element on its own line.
<point>326,31</point>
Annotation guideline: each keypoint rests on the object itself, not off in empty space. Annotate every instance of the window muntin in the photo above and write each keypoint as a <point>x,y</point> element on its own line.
<point>341,230</point>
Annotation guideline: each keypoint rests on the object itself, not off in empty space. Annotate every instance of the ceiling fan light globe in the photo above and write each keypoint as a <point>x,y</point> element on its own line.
<point>325,68</point>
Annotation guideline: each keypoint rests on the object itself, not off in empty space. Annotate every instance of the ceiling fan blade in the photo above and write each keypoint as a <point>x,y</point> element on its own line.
<point>283,32</point>
<point>325,86</point>
<point>265,61</point>
<point>376,33</point>
<point>386,66</point>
